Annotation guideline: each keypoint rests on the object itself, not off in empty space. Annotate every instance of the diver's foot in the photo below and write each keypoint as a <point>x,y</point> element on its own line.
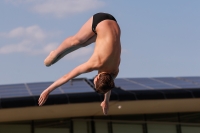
<point>50,58</point>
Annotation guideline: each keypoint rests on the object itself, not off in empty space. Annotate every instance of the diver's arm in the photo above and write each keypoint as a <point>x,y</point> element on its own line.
<point>105,103</point>
<point>83,68</point>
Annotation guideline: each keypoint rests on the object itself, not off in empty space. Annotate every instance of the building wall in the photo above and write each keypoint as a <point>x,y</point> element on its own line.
<point>152,123</point>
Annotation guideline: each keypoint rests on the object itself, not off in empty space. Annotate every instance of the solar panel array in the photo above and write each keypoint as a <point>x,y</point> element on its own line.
<point>76,87</point>
<point>17,90</point>
<point>35,89</point>
<point>81,86</point>
<point>158,83</point>
<point>194,80</point>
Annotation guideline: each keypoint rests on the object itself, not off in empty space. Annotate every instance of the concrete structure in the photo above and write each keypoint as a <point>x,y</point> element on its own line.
<point>142,105</point>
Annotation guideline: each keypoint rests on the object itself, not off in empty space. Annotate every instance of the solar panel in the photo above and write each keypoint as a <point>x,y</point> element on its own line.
<point>15,90</point>
<point>31,89</point>
<point>178,83</point>
<point>157,83</point>
<point>81,86</point>
<point>194,80</point>
<point>38,88</point>
<point>151,83</point>
<point>127,84</point>
<point>77,86</point>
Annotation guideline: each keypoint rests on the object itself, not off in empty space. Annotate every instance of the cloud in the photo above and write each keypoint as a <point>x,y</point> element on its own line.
<point>33,32</point>
<point>28,47</point>
<point>59,8</point>
<point>19,47</point>
<point>31,40</point>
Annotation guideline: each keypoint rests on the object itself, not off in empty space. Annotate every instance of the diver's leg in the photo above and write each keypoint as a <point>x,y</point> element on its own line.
<point>67,51</point>
<point>84,35</point>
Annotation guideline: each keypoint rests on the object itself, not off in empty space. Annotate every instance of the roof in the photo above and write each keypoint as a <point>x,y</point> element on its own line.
<point>81,91</point>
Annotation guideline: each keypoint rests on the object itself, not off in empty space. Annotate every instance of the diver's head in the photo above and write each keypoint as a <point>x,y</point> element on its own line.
<point>103,82</point>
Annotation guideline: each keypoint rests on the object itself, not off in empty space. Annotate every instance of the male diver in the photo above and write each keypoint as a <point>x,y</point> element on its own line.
<point>103,29</point>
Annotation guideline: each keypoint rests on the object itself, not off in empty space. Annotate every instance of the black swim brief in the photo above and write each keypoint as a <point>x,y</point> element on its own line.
<point>97,18</point>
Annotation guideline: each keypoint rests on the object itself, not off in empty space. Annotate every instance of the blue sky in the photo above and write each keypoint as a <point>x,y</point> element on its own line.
<point>159,38</point>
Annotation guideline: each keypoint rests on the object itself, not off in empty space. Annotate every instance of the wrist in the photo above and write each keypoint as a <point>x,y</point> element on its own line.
<point>48,90</point>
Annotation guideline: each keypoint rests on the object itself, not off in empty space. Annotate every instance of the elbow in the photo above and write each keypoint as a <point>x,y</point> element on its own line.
<point>63,79</point>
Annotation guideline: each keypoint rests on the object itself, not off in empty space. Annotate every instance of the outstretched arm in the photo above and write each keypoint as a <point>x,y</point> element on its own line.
<point>84,68</point>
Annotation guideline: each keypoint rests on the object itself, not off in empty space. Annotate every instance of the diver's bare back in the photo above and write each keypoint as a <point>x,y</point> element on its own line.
<point>108,47</point>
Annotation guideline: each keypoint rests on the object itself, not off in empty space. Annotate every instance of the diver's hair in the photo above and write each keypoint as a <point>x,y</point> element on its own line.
<point>104,83</point>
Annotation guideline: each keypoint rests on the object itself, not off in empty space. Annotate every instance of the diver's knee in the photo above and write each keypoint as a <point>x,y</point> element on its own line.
<point>75,41</point>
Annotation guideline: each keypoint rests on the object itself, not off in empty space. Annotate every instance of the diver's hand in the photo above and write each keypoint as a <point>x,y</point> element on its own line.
<point>43,97</point>
<point>105,107</point>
